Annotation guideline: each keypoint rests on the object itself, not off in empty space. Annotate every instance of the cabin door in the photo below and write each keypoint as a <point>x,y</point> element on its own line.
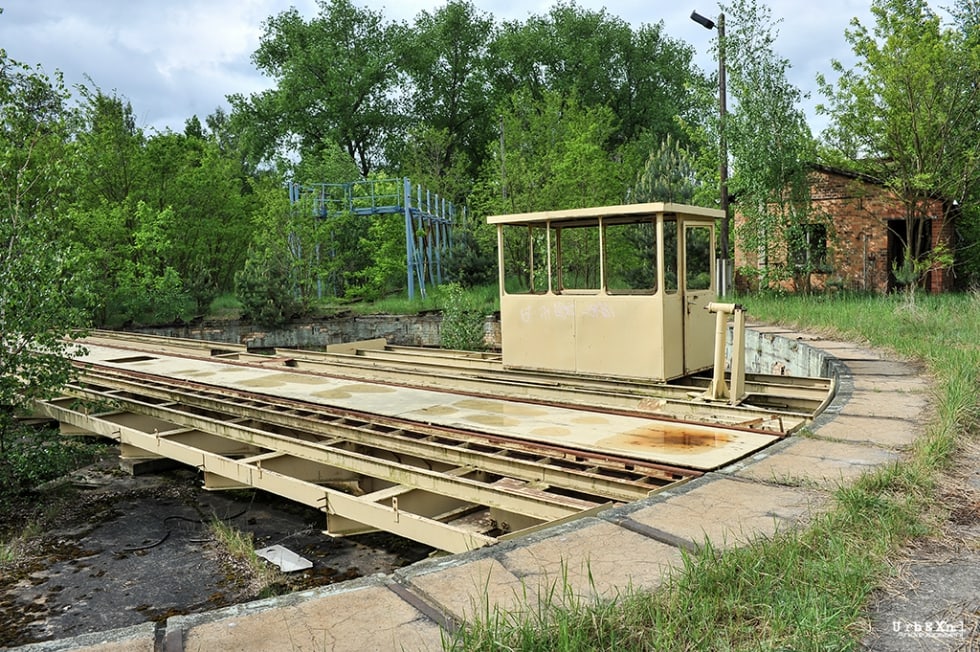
<point>698,289</point>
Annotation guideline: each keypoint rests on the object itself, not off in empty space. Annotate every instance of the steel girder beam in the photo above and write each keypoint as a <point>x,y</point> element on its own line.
<point>405,524</point>
<point>538,507</point>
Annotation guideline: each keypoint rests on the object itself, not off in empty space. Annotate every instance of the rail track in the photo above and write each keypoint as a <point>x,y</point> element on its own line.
<point>454,487</point>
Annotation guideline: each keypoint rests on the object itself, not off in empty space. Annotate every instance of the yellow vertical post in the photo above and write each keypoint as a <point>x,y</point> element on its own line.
<point>738,356</point>
<point>719,390</point>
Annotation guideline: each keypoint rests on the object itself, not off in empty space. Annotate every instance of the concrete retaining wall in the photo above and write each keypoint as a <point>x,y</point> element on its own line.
<point>402,330</point>
<point>766,353</point>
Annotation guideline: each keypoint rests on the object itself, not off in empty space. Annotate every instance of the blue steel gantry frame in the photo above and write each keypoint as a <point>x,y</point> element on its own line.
<point>428,219</point>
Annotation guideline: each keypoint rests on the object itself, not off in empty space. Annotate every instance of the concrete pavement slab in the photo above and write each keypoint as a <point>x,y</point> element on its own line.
<point>138,638</point>
<point>597,559</point>
<point>884,432</point>
<point>362,616</point>
<point>808,461</point>
<point>728,511</point>
<point>907,407</point>
<point>469,590</point>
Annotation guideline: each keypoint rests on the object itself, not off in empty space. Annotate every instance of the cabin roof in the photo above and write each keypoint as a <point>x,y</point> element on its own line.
<point>623,210</point>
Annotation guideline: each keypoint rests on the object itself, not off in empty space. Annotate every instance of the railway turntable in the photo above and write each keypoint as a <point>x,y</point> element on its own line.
<point>599,397</point>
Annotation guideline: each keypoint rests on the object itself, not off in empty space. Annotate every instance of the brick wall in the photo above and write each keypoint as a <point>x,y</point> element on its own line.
<point>858,212</point>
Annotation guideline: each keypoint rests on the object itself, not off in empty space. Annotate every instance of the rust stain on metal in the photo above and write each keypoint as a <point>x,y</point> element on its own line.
<point>664,438</point>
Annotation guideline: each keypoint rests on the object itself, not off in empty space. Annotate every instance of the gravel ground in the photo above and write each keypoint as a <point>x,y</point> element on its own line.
<point>933,602</point>
<point>126,550</point>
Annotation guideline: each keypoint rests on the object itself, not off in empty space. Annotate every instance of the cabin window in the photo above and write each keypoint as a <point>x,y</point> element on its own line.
<point>697,257</point>
<point>631,258</point>
<point>670,255</point>
<point>577,257</point>
<point>525,259</point>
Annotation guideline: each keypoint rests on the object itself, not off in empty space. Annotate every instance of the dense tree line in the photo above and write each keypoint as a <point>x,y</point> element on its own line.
<point>571,107</point>
<point>104,223</point>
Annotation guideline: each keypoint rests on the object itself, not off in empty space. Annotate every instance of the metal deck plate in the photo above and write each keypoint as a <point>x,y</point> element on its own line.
<point>647,439</point>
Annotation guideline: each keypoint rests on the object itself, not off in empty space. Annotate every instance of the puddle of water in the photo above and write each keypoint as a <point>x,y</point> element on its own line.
<point>368,389</point>
<point>551,431</point>
<point>262,381</point>
<point>278,380</point>
<point>492,420</point>
<point>196,373</point>
<point>347,391</point>
<point>332,393</point>
<point>588,420</point>
<point>436,411</point>
<point>499,407</point>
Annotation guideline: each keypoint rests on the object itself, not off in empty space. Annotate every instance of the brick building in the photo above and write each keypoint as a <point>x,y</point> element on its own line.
<point>862,235</point>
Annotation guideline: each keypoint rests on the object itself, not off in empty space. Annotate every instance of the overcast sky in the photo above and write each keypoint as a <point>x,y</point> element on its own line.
<point>179,58</point>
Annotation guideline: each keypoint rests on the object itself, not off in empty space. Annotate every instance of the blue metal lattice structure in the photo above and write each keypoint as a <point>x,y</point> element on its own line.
<point>428,218</point>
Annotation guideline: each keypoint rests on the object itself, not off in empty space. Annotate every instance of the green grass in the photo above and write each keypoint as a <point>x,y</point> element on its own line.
<point>805,590</point>
<point>225,306</point>
<point>241,561</point>
<point>486,297</point>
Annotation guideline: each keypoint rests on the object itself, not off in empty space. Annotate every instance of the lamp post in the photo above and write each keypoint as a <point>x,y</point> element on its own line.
<point>723,269</point>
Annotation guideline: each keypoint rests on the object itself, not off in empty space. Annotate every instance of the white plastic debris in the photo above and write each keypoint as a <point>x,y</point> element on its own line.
<point>287,560</point>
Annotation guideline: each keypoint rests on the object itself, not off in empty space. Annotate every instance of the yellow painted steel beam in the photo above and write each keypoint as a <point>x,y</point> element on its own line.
<point>537,507</point>
<point>401,523</point>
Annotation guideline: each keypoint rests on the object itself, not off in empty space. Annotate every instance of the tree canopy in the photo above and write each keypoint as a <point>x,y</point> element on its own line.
<point>908,113</point>
<point>39,303</point>
<point>567,107</point>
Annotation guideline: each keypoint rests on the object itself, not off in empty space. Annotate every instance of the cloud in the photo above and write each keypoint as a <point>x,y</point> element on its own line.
<point>183,57</point>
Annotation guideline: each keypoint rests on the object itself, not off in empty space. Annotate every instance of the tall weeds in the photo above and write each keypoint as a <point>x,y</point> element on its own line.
<point>804,590</point>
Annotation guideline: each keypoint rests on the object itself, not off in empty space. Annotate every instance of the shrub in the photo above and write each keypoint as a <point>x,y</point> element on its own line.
<point>462,320</point>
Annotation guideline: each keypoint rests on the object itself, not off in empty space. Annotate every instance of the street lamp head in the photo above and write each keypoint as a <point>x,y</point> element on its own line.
<point>707,23</point>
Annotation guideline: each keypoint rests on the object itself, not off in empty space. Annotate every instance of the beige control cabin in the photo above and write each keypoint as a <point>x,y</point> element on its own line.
<point>610,291</point>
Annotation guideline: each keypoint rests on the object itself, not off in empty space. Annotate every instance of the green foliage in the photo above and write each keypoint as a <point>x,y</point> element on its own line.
<point>966,262</point>
<point>470,261</point>
<point>668,176</point>
<point>264,579</point>
<point>351,53</point>
<point>209,206</point>
<point>641,76</point>
<point>267,290</point>
<point>385,245</point>
<point>462,320</point>
<point>769,139</point>
<point>34,457</point>
<point>447,62</point>
<point>913,269</point>
<point>908,113</point>
<point>161,220</point>
<point>37,265</point>
<point>552,155</point>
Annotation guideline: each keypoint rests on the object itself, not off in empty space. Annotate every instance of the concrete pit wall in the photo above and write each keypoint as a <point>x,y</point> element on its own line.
<point>771,353</point>
<point>401,330</point>
<point>765,352</point>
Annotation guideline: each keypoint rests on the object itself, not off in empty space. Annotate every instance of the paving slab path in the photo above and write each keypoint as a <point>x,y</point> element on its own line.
<point>881,408</point>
